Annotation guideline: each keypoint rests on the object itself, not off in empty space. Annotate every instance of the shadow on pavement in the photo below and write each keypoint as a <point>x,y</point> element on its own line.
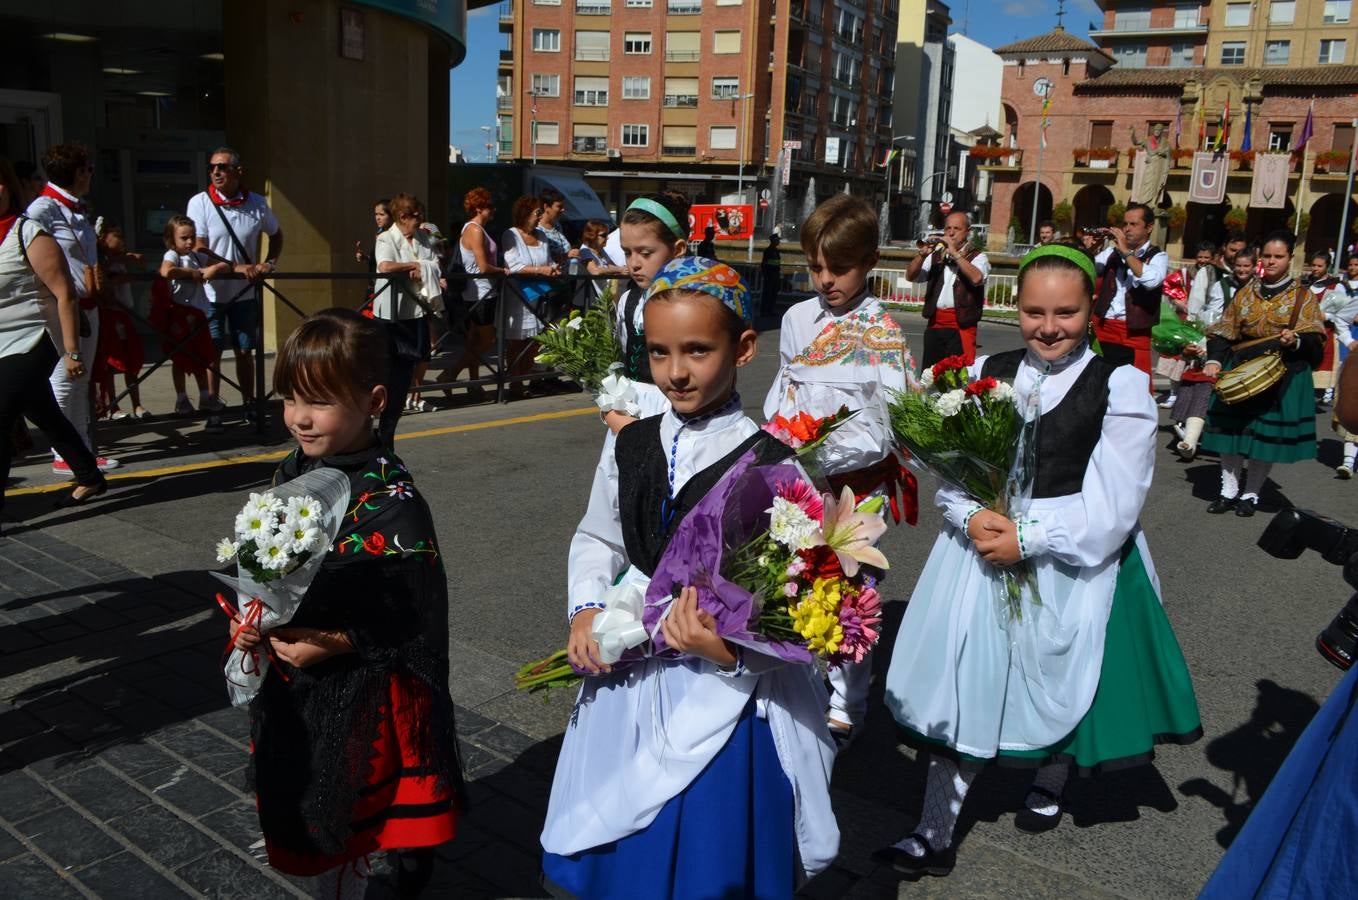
<point>1253,753</point>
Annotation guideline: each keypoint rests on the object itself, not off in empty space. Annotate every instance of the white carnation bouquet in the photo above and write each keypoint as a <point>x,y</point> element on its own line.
<point>279,541</point>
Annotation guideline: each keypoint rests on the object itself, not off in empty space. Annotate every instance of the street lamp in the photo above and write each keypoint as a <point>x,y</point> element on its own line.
<point>740,171</point>
<point>899,137</point>
<point>492,143</point>
<point>533,134</point>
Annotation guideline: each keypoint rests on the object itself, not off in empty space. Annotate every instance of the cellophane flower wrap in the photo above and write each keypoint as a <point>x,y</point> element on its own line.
<point>972,434</point>
<point>1172,333</point>
<point>280,539</point>
<point>585,347</point>
<point>783,570</point>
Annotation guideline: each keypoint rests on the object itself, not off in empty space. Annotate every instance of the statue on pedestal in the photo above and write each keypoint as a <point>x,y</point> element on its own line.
<point>1156,171</point>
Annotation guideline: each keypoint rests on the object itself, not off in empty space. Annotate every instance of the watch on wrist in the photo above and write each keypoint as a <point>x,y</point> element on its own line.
<point>74,355</point>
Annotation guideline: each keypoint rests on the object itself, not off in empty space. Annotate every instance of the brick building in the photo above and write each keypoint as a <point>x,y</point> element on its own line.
<point>649,95</point>
<point>1139,76</point>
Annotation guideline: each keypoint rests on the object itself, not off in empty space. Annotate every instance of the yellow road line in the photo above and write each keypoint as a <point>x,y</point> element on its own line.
<point>274,455</point>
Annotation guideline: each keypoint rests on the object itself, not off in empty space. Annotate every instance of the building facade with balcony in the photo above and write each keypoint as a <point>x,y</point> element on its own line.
<point>648,95</point>
<point>1087,166</point>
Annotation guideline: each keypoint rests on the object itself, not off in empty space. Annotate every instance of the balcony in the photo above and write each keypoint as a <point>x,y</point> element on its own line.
<point>593,7</point>
<point>589,145</point>
<point>681,100</point>
<point>676,150</point>
<point>504,101</point>
<point>592,54</point>
<point>506,148</point>
<point>506,57</point>
<point>683,55</point>
<point>684,7</point>
<point>1141,28</point>
<point>1095,157</point>
<point>989,157</point>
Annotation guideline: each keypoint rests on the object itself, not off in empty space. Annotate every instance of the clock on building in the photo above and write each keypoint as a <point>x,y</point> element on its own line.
<point>1042,87</point>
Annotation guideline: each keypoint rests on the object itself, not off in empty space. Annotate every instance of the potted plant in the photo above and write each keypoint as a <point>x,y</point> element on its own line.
<point>1102,157</point>
<point>1115,214</point>
<point>1183,157</point>
<point>1235,219</point>
<point>1244,159</point>
<point>1333,161</point>
<point>1063,214</point>
<point>1176,217</point>
<point>1081,156</point>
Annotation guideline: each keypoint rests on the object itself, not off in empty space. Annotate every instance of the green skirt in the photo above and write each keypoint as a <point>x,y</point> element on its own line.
<point>1278,427</point>
<point>1145,694</point>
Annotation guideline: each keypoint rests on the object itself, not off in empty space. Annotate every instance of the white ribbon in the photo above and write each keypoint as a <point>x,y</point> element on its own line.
<point>617,393</point>
<point>618,628</point>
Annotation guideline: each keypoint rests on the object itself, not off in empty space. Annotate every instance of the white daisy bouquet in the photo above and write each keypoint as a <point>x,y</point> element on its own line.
<point>278,543</point>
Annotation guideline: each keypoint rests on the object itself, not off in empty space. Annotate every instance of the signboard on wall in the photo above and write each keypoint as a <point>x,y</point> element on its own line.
<point>832,151</point>
<point>731,221</point>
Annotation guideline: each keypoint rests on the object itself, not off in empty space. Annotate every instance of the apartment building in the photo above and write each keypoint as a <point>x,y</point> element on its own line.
<point>691,95</point>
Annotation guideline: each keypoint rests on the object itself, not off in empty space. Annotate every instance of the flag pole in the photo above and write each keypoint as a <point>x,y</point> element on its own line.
<point>1301,192</point>
<point>1037,181</point>
<point>1348,198</point>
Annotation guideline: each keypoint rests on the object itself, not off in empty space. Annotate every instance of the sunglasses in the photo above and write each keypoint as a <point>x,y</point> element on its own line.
<point>225,167</point>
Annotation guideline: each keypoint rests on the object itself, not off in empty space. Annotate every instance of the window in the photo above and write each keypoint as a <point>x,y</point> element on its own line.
<point>1343,138</point>
<point>725,88</point>
<point>1100,134</point>
<point>1337,13</point>
<point>1282,12</point>
<point>1131,55</point>
<point>684,7</point>
<point>681,92</point>
<point>1186,16</point>
<point>589,138</point>
<point>547,85</point>
<point>591,91</point>
<point>729,2</point>
<point>1331,51</point>
<point>636,135</point>
<point>636,87</point>
<point>591,45</point>
<point>1276,53</point>
<point>1181,54</point>
<point>679,140</point>
<point>1135,18</point>
<point>638,4</point>
<point>726,42</point>
<point>504,92</point>
<point>546,2</point>
<point>1280,136</point>
<point>1237,15</point>
<point>683,46</point>
<point>593,7</point>
<point>1233,53</point>
<point>722,137</point>
<point>636,42</point>
<point>547,40</point>
<point>549,133</point>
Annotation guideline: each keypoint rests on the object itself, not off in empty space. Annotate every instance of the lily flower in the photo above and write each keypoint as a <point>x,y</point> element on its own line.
<point>851,533</point>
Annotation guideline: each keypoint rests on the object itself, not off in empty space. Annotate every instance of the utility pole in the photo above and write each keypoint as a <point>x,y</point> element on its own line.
<point>740,171</point>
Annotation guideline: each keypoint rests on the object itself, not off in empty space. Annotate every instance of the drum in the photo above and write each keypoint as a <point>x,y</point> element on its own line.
<point>1251,378</point>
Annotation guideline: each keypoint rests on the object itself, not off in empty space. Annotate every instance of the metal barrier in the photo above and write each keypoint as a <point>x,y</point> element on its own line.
<point>894,286</point>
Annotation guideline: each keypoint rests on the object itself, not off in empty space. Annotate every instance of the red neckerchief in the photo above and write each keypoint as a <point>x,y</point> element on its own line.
<point>74,206</point>
<point>6,224</point>
<point>215,196</point>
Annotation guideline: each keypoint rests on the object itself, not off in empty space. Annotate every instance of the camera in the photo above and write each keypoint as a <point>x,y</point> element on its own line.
<point>1294,531</point>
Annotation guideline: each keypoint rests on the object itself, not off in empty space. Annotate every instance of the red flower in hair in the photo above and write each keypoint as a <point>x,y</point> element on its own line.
<point>977,388</point>
<point>375,543</point>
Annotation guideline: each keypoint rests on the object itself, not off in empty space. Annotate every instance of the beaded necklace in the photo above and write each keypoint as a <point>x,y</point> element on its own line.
<point>667,507</point>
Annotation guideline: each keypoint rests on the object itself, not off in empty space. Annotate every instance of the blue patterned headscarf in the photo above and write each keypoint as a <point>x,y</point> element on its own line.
<point>704,276</point>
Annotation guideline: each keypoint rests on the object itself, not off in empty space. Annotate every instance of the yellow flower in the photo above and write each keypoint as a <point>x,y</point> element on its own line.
<point>816,618</point>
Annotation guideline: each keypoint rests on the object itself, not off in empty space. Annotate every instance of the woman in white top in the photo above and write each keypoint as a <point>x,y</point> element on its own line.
<point>525,254</point>
<point>481,295</point>
<point>32,272</point>
<point>406,248</point>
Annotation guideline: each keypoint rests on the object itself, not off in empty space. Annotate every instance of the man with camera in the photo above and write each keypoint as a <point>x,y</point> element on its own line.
<point>1128,302</point>
<point>955,273</point>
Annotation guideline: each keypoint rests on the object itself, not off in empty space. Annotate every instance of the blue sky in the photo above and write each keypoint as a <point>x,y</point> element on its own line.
<point>473,82</point>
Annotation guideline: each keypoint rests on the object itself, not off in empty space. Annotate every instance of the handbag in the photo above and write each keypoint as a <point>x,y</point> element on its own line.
<point>1257,373</point>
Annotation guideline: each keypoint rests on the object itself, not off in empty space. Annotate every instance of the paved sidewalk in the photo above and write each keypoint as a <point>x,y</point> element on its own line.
<point>122,770</point>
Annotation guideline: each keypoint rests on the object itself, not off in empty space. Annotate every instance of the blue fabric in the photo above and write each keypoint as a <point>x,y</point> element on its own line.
<point>728,835</point>
<point>1299,840</point>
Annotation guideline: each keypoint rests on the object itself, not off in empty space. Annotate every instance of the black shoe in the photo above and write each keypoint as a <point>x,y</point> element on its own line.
<point>1222,505</point>
<point>1245,507</point>
<point>933,862</point>
<point>70,501</point>
<point>1035,822</point>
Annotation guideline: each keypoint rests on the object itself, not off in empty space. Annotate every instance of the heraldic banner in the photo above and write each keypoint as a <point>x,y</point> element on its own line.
<point>1270,180</point>
<point>1208,184</point>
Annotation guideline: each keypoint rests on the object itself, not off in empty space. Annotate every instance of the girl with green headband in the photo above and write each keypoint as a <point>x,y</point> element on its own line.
<point>654,230</point>
<point>1093,675</point>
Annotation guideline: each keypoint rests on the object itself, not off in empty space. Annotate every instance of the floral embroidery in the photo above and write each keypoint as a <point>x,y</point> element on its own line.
<point>858,339</point>
<point>377,545</point>
<point>394,480</point>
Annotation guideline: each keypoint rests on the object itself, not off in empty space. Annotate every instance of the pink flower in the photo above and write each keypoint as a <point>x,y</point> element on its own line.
<point>860,616</point>
<point>852,534</point>
<point>796,567</point>
<point>782,434</point>
<point>790,590</point>
<point>804,495</point>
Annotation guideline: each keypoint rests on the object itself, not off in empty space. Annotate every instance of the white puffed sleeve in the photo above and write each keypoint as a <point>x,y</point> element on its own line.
<point>957,507</point>
<point>1094,525</point>
<point>597,553</point>
<point>787,349</point>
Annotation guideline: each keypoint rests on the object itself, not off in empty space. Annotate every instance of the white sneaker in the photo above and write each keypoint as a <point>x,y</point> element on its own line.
<point>1345,471</point>
<point>1168,402</point>
<point>105,463</point>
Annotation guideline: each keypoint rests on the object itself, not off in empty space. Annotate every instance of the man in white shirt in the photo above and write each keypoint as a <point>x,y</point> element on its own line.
<point>60,210</point>
<point>956,274</point>
<point>1128,303</point>
<point>230,220</point>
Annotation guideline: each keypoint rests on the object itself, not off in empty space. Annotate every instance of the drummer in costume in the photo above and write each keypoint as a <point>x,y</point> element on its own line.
<point>1318,280</point>
<point>955,274</point>
<point>1093,676</point>
<point>706,775</point>
<point>1212,289</point>
<point>842,349</point>
<point>654,230</point>
<point>1278,423</point>
<point>1341,309</point>
<point>1128,303</point>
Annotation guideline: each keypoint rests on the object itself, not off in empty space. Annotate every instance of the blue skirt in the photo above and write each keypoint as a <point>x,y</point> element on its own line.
<point>1299,840</point>
<point>728,835</point>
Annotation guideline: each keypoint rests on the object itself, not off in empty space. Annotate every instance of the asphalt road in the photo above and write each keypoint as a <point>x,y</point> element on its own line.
<point>508,485</point>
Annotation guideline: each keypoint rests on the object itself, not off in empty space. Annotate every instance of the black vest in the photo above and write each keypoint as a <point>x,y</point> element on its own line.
<point>1142,304</point>
<point>643,486</point>
<point>635,363</point>
<point>1067,434</point>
